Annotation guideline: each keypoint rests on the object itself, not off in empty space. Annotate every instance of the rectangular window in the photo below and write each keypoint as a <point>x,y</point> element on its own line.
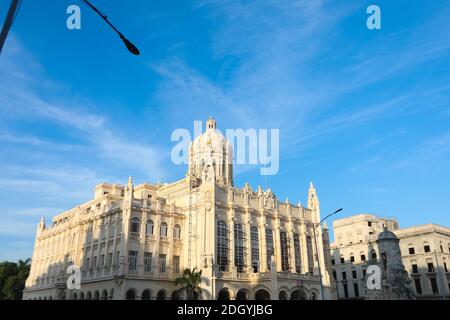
<point>334,275</point>
<point>345,290</point>
<point>418,285</point>
<point>176,264</point>
<point>342,260</point>
<point>147,261</point>
<point>426,248</point>
<point>369,223</point>
<point>354,274</point>
<point>364,273</point>
<point>116,260</point>
<point>430,267</point>
<point>344,275</point>
<point>102,260</point>
<point>352,259</point>
<point>434,285</point>
<point>109,261</point>
<point>132,259</point>
<point>88,260</point>
<point>162,263</point>
<point>333,262</point>
<point>412,251</point>
<point>356,289</point>
<point>415,269</point>
<point>94,262</point>
<point>445,267</point>
<point>363,257</point>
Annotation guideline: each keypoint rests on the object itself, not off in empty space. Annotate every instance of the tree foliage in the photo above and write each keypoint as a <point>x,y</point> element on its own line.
<point>12,279</point>
<point>190,281</point>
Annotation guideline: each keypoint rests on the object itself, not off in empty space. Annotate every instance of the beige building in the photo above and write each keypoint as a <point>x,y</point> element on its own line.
<point>425,252</point>
<point>426,256</point>
<point>131,242</point>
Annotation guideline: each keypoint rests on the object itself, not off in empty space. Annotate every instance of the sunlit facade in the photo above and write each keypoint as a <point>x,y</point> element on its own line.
<point>131,242</point>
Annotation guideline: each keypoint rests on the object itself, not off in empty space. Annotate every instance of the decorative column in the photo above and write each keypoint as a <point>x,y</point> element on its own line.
<point>304,248</point>
<point>277,242</point>
<point>171,241</point>
<point>142,238</point>
<point>262,241</point>
<point>231,220</point>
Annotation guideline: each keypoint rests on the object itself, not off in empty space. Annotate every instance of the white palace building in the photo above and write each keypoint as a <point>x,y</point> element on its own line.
<point>132,242</point>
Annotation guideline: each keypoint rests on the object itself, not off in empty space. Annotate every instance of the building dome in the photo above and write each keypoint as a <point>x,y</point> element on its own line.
<point>387,235</point>
<point>210,153</point>
<point>210,139</point>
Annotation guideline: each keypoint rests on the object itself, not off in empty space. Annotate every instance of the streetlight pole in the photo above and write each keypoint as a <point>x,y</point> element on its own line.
<point>131,47</point>
<point>317,251</point>
<point>13,8</point>
<point>438,272</point>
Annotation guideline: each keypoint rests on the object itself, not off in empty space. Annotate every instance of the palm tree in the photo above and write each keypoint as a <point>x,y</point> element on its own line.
<point>190,281</point>
<point>23,269</point>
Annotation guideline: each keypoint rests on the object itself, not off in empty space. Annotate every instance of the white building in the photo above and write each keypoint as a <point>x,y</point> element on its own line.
<point>131,242</point>
<point>425,252</point>
<point>426,256</point>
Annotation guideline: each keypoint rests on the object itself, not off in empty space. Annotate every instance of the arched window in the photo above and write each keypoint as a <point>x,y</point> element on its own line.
<point>149,227</point>
<point>254,235</point>
<point>163,230</point>
<point>282,295</point>
<point>224,294</point>
<point>135,225</point>
<point>297,252</point>
<point>222,246</point>
<point>239,247</point>
<point>130,295</point>
<point>161,295</point>
<point>284,252</point>
<point>310,254</point>
<point>146,294</point>
<point>269,245</point>
<point>177,231</point>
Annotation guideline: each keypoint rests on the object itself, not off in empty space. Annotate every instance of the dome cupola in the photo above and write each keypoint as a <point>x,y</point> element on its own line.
<point>211,155</point>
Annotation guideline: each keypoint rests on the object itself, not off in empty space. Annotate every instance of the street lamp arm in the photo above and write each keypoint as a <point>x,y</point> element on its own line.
<point>338,210</point>
<point>104,17</point>
<point>131,47</point>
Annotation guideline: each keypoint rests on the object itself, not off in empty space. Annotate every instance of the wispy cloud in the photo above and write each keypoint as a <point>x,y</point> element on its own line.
<point>56,147</point>
<point>273,72</point>
<point>427,157</point>
<point>101,138</point>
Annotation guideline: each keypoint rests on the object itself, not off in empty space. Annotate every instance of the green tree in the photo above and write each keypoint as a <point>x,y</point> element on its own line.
<point>23,269</point>
<point>190,281</point>
<point>12,290</point>
<point>12,279</point>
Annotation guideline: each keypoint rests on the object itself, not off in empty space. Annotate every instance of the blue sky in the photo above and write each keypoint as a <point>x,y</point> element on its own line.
<point>364,114</point>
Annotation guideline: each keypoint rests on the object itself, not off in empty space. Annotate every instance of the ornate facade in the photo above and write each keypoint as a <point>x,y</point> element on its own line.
<point>131,242</point>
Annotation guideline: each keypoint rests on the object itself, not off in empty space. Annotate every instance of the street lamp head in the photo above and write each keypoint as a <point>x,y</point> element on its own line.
<point>131,47</point>
<point>338,210</point>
